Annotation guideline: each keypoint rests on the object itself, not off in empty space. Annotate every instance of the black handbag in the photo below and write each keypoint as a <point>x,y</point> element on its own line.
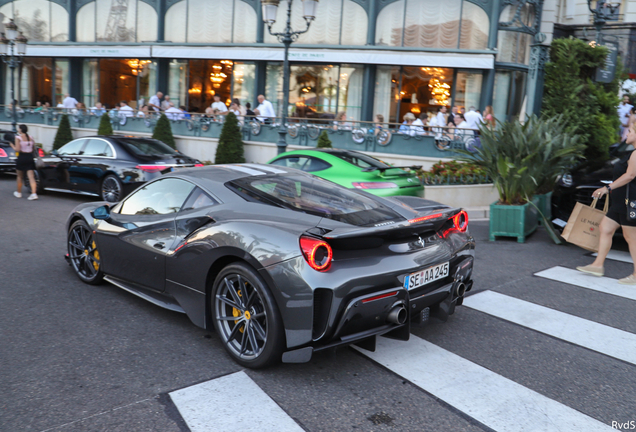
<point>631,206</point>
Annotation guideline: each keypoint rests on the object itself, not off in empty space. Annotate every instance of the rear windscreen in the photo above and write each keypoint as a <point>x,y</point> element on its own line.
<point>315,196</point>
<point>146,147</point>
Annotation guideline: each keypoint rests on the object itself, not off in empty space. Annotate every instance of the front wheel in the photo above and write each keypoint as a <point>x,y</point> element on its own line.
<point>111,190</point>
<point>83,253</point>
<point>246,318</point>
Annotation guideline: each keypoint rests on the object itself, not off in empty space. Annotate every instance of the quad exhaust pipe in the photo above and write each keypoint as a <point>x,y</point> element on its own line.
<point>397,315</point>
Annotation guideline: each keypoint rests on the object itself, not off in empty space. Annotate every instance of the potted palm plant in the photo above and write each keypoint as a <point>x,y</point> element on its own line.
<point>521,159</point>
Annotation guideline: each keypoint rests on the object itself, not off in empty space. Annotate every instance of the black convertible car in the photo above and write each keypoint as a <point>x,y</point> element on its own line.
<point>280,262</point>
<point>109,167</point>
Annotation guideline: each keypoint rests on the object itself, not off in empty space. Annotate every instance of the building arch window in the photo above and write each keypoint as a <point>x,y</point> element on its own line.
<point>338,22</point>
<point>451,24</point>
<point>39,20</point>
<point>211,21</point>
<point>116,21</point>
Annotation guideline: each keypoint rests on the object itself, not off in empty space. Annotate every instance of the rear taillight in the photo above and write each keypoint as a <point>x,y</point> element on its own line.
<point>40,152</point>
<point>460,224</point>
<point>198,165</point>
<point>374,185</point>
<point>460,221</point>
<point>426,218</point>
<point>151,168</point>
<point>3,153</point>
<point>317,253</point>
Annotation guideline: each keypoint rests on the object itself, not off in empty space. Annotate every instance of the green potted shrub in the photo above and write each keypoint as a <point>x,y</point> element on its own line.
<point>63,134</point>
<point>163,131</point>
<point>105,127</point>
<point>323,140</point>
<point>230,148</point>
<point>521,158</point>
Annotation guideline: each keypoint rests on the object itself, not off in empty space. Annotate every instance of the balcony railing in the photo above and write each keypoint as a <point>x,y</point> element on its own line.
<point>426,141</point>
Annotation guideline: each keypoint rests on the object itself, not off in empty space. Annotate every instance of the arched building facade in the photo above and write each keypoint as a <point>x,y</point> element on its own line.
<point>364,57</point>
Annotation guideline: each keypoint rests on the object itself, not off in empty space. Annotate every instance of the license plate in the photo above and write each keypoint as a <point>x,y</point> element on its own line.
<point>426,276</point>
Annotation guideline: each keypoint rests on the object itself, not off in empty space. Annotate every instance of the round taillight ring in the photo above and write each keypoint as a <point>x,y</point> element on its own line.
<point>320,256</point>
<point>460,220</point>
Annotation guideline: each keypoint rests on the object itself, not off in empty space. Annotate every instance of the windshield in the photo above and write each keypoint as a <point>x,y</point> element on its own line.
<point>315,196</point>
<point>146,147</point>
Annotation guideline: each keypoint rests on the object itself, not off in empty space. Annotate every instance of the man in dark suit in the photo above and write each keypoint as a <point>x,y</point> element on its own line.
<point>452,117</point>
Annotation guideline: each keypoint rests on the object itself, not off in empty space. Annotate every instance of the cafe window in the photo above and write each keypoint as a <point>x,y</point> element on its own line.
<point>108,21</point>
<point>38,20</point>
<point>337,22</point>
<point>129,80</point>
<point>433,24</point>
<point>318,91</point>
<point>178,82</point>
<point>419,90</point>
<point>207,78</point>
<point>211,21</point>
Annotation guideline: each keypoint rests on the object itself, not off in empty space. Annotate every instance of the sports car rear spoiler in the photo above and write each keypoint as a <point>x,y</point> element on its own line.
<point>423,222</point>
<point>371,169</point>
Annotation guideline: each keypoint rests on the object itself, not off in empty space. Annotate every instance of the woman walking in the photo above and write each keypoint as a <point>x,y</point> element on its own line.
<point>25,146</point>
<point>624,173</point>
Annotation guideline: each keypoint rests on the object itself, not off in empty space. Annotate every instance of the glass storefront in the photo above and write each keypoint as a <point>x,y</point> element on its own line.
<point>243,82</point>
<point>90,83</point>
<point>317,91</point>
<point>62,77</point>
<point>130,80</point>
<point>206,79</point>
<point>509,94</point>
<point>421,90</point>
<point>178,82</point>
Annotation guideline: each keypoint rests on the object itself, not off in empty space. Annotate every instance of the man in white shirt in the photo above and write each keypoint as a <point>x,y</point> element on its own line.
<point>473,119</point>
<point>165,103</point>
<point>69,102</point>
<point>125,110</point>
<point>218,105</point>
<point>155,101</point>
<point>623,109</point>
<point>441,119</point>
<point>174,113</point>
<point>265,109</point>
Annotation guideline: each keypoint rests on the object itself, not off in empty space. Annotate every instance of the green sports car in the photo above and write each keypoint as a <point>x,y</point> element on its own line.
<point>353,170</point>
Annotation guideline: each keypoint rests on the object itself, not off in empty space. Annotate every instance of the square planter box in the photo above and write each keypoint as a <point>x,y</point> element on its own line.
<point>513,220</point>
<point>545,205</point>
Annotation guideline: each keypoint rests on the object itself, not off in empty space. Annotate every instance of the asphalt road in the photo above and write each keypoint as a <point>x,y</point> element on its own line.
<point>75,357</point>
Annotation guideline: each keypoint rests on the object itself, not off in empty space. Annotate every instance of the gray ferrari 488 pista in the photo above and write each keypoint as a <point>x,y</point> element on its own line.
<point>281,263</point>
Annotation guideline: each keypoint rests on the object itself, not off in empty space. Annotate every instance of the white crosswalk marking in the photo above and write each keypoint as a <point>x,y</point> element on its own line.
<point>588,334</point>
<point>618,256</point>
<point>602,284</point>
<point>491,399</point>
<point>229,404</point>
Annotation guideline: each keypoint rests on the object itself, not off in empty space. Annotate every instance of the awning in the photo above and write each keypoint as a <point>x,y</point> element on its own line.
<point>379,57</point>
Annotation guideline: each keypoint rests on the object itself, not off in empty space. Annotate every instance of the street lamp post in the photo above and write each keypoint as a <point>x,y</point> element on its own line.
<point>12,48</point>
<point>604,12</point>
<point>286,37</point>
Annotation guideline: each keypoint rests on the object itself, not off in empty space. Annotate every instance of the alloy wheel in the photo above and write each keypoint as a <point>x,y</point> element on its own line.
<point>241,317</point>
<point>111,189</point>
<point>83,252</point>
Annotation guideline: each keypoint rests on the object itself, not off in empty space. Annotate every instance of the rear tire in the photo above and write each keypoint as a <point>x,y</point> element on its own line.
<point>246,318</point>
<point>83,253</point>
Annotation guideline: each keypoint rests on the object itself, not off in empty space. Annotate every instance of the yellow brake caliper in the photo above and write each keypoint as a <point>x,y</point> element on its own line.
<point>237,313</point>
<point>96,256</point>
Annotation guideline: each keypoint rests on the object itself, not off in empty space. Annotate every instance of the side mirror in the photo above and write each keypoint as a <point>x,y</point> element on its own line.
<point>101,213</point>
<point>54,153</point>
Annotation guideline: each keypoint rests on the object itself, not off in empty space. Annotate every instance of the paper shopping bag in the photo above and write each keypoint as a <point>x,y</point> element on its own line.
<point>583,226</point>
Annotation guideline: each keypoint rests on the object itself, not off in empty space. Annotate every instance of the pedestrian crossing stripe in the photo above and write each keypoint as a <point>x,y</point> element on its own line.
<point>493,400</point>
<point>602,284</point>
<point>229,404</point>
<point>585,333</point>
<point>618,256</point>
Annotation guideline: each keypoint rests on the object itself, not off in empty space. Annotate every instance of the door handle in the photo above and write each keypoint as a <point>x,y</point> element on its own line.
<point>159,245</point>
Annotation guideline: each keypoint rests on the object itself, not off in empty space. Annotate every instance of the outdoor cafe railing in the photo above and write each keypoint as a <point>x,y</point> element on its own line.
<point>426,141</point>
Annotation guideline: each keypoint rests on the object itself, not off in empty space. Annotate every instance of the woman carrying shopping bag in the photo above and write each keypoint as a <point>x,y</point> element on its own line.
<point>624,173</point>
